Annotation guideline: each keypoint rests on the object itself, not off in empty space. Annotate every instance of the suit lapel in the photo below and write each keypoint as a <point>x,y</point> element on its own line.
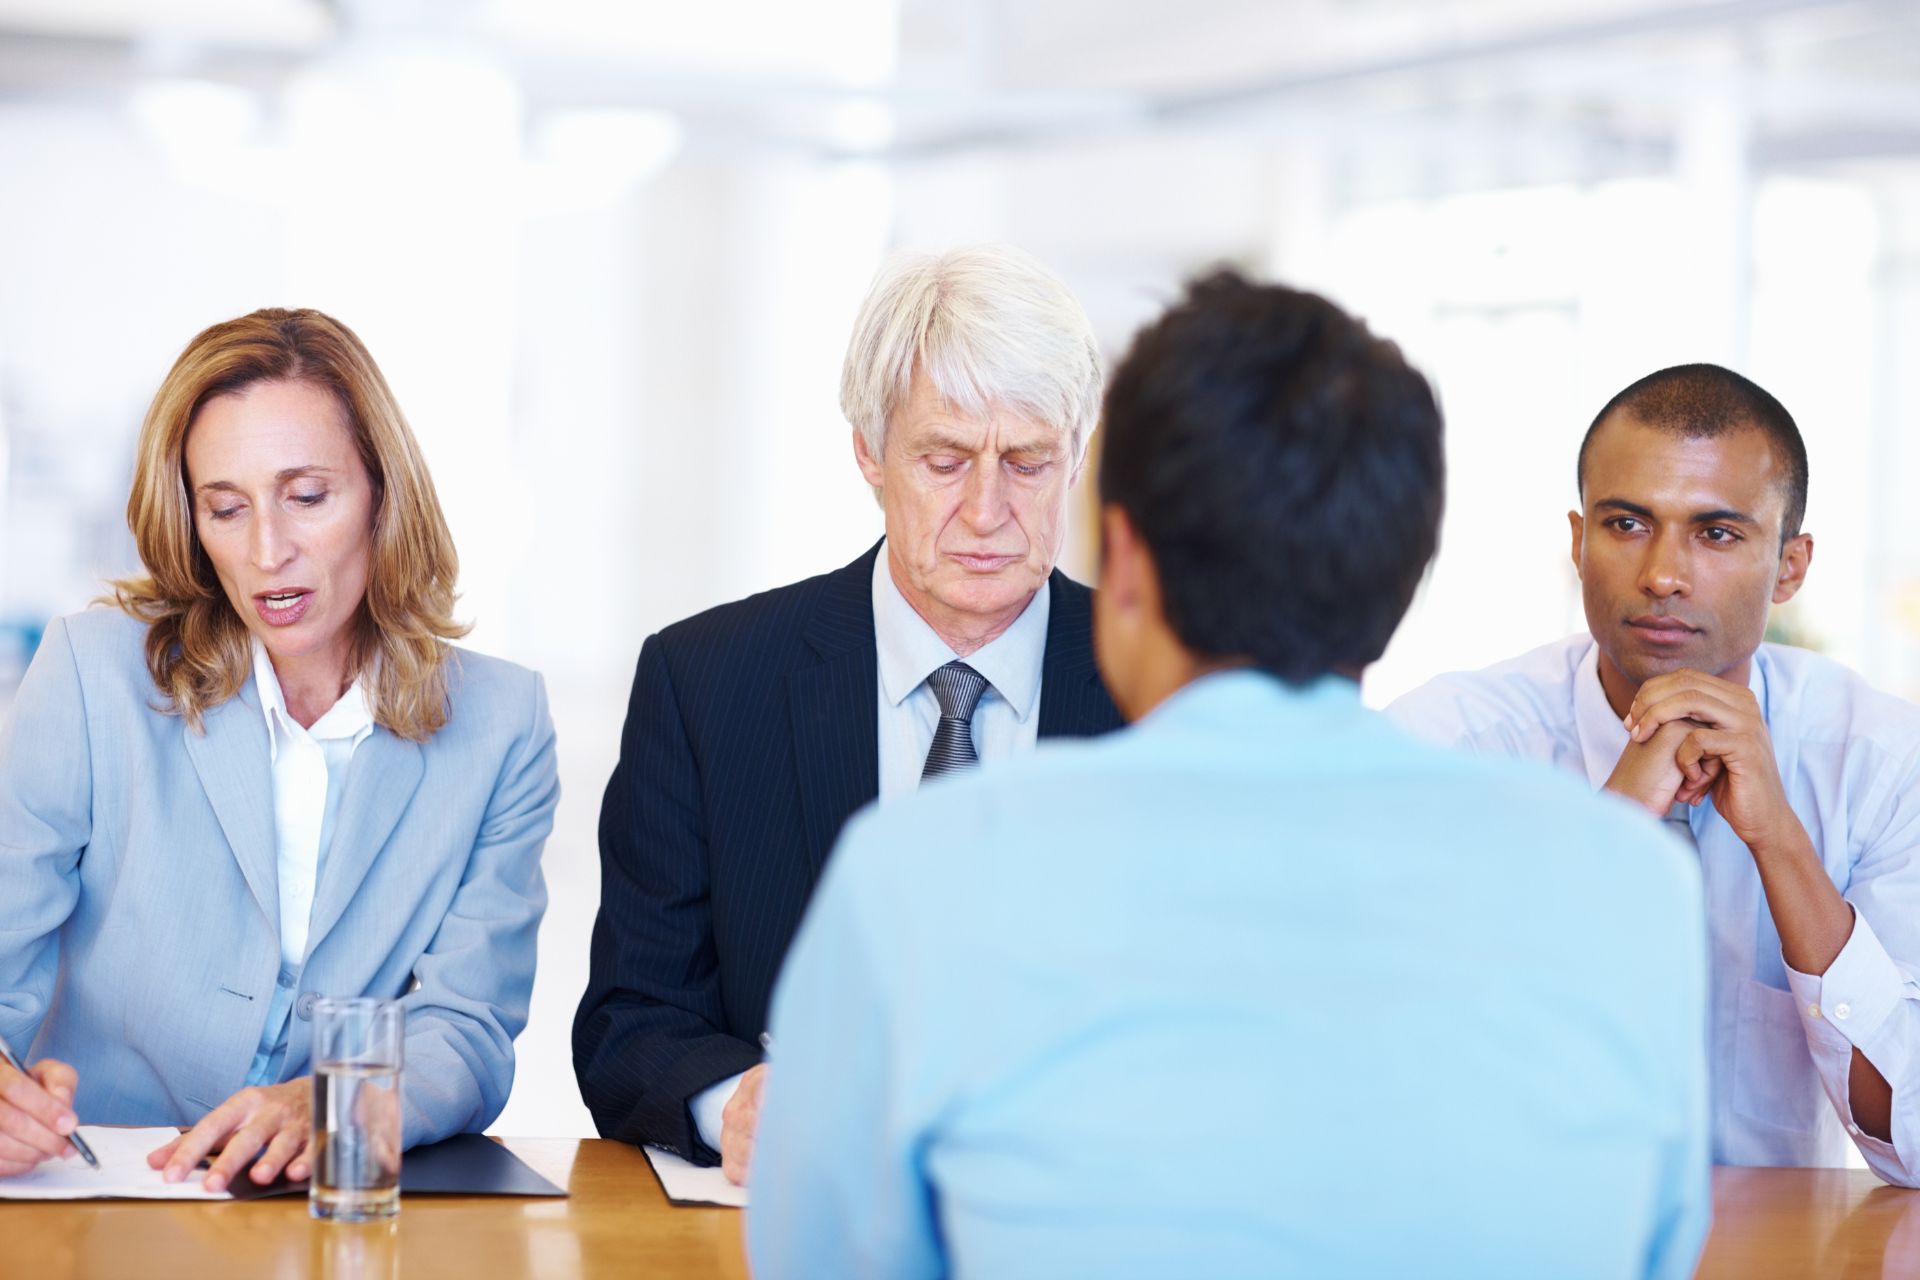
<point>834,708</point>
<point>380,783</point>
<point>1073,701</point>
<point>236,771</point>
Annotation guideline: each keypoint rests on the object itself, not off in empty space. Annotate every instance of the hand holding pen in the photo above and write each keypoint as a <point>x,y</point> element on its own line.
<point>36,1114</point>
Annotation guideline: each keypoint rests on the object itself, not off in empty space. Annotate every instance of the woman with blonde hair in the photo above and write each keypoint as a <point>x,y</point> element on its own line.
<point>264,774</point>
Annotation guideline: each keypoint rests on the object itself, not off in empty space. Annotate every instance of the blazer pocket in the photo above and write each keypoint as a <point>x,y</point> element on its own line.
<point>1774,1081</point>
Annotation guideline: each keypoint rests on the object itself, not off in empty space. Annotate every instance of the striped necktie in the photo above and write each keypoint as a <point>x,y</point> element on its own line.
<point>957,687</point>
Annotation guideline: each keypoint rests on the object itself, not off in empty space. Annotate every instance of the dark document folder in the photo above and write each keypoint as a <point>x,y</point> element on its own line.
<point>467,1164</point>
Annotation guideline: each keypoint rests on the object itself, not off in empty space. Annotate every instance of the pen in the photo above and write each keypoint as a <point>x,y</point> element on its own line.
<point>79,1143</point>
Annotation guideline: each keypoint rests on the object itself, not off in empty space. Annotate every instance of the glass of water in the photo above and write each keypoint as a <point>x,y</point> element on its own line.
<point>356,1109</point>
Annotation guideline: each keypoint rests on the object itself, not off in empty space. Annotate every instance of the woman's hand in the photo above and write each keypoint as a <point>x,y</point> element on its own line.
<point>269,1126</point>
<point>36,1114</point>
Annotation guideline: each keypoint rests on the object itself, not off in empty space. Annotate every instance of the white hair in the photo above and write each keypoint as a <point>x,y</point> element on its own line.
<point>989,326</point>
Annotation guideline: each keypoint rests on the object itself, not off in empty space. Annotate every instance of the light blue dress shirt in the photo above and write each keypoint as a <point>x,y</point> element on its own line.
<point>1006,722</point>
<point>1428,1043</point>
<point>1780,1042</point>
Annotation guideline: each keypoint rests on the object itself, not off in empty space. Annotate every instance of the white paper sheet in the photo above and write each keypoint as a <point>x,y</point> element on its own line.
<point>690,1184</point>
<point>123,1173</point>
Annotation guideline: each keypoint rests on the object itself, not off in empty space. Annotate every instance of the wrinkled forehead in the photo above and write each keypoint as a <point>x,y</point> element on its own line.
<point>1655,466</point>
<point>928,418</point>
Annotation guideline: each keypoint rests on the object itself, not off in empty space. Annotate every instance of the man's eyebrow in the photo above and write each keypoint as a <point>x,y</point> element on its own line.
<point>1725,515</point>
<point>281,477</point>
<point>1621,504</point>
<point>1720,515</point>
<point>1047,444</point>
<point>944,442</point>
<point>941,440</point>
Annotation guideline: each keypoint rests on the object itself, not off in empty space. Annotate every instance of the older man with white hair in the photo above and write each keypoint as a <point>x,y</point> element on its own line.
<point>756,729</point>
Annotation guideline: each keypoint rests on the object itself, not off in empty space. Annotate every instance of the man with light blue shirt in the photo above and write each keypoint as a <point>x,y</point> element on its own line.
<point>1796,782</point>
<point>755,729</point>
<point>1260,986</point>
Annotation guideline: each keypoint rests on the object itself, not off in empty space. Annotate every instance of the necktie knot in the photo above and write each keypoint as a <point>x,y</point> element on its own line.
<point>957,687</point>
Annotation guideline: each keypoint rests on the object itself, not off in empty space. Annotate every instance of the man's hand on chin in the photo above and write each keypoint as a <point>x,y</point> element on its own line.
<point>1650,774</point>
<point>1726,733</point>
<point>738,1123</point>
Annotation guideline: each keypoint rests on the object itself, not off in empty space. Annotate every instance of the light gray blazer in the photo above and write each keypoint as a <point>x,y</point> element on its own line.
<point>139,908</point>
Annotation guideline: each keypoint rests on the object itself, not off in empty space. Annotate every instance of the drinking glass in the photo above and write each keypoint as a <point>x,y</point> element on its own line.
<point>356,1109</point>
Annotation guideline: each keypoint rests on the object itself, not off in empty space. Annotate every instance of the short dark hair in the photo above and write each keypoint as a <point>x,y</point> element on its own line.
<point>1284,468</point>
<point>1704,400</point>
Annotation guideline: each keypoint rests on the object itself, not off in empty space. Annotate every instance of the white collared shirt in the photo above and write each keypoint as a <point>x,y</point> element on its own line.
<point>1780,1042</point>
<point>309,770</point>
<point>1006,722</point>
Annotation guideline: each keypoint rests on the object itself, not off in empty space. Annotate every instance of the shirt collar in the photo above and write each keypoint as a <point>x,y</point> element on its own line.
<point>909,650</point>
<point>348,718</point>
<point>1602,737</point>
<point>1230,694</point>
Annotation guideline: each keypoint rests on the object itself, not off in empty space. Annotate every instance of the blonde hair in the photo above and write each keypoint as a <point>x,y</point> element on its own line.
<point>197,646</point>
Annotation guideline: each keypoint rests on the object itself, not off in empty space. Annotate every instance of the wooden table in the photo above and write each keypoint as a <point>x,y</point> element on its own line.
<point>615,1223</point>
<point>1834,1224</point>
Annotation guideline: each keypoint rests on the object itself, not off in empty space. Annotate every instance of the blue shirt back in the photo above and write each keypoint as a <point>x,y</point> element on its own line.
<point>1257,987</point>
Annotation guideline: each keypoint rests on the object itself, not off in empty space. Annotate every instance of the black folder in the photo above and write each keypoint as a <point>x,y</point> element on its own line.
<point>467,1164</point>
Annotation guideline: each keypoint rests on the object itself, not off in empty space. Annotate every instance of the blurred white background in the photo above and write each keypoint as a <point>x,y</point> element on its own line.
<point>608,253</point>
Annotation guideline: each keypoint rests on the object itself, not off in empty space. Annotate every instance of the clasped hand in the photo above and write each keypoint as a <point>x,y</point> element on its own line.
<point>1693,735</point>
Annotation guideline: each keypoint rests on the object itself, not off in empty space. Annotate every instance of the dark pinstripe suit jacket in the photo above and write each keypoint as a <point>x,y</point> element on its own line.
<point>751,736</point>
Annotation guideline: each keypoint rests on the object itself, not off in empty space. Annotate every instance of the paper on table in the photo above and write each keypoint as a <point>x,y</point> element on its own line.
<point>687,1183</point>
<point>123,1172</point>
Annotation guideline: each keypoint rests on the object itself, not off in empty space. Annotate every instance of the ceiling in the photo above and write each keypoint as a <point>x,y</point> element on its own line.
<point>1817,81</point>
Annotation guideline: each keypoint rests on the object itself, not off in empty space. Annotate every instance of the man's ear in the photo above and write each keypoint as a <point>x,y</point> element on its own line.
<point>869,465</point>
<point>1579,527</point>
<point>1121,557</point>
<point>1795,559</point>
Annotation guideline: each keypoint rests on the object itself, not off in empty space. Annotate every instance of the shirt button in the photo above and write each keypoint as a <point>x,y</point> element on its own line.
<point>303,1007</point>
<point>1813,1011</point>
<point>1853,1128</point>
<point>1841,1010</point>
<point>287,979</point>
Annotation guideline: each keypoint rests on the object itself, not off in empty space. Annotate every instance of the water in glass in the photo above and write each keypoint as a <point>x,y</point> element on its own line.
<point>356,1132</point>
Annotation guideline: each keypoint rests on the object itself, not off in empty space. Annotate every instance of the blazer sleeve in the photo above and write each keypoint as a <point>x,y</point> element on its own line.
<point>650,1032</point>
<point>46,823</point>
<point>476,976</point>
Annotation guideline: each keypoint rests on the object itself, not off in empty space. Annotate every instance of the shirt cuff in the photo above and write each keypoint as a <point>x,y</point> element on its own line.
<point>1851,1000</point>
<point>709,1107</point>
